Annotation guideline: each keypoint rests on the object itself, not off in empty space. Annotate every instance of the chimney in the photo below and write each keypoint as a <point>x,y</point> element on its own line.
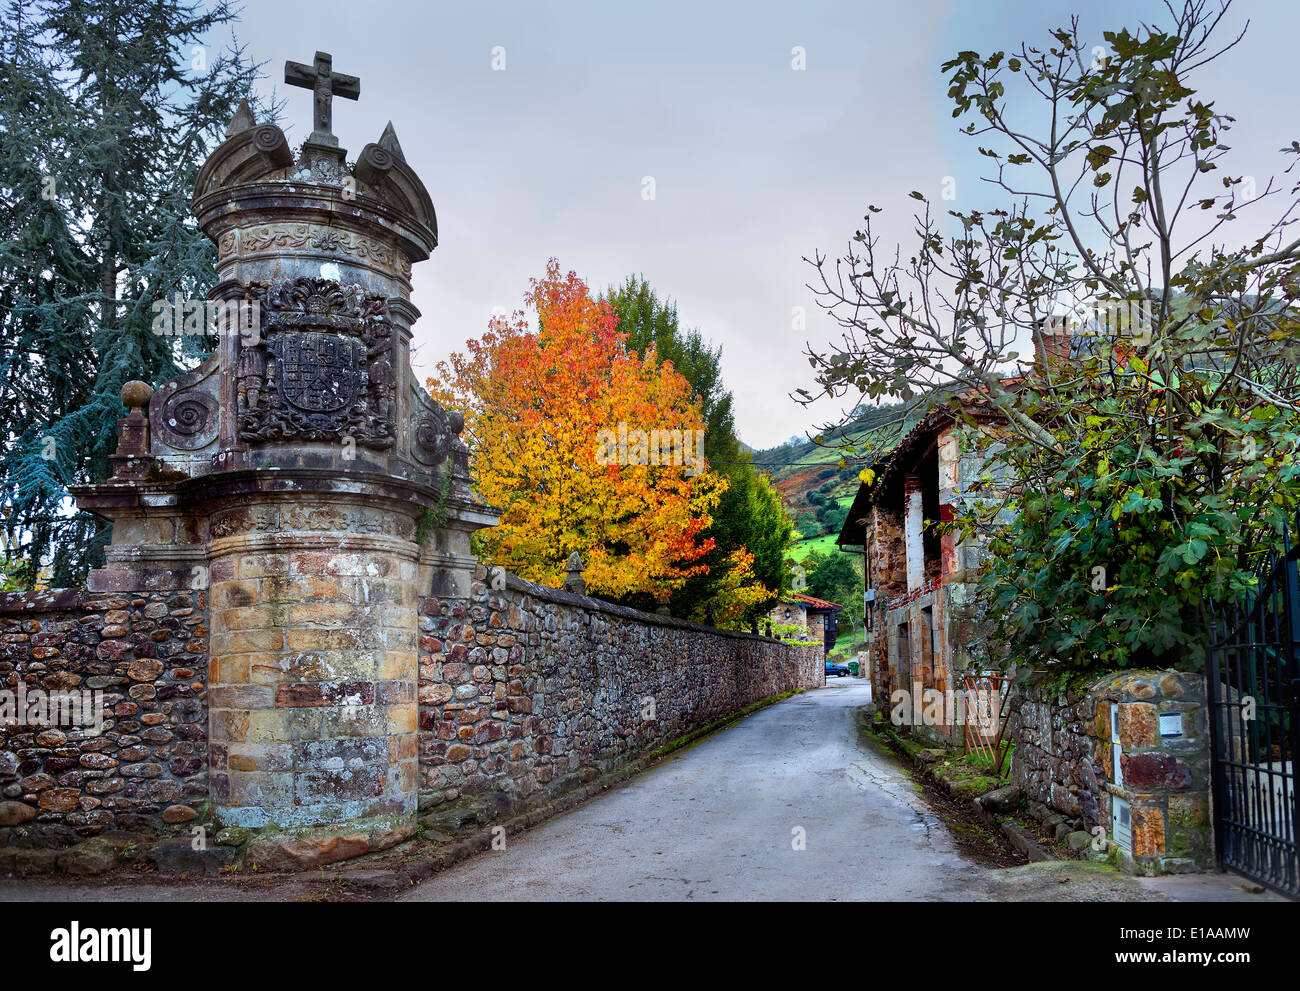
<point>1052,341</point>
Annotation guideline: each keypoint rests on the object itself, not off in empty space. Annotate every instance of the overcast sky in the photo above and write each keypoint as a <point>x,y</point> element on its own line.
<point>755,165</point>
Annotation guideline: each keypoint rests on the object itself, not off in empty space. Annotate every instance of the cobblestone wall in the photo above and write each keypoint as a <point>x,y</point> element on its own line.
<point>1065,762</point>
<point>1055,757</point>
<point>145,768</point>
<point>528,690</point>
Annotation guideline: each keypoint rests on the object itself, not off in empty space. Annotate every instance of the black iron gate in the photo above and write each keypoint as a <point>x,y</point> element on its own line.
<point>1253,681</point>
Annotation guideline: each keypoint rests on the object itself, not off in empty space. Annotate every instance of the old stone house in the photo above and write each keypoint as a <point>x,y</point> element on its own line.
<point>921,619</point>
<point>918,581</point>
<point>816,615</point>
<point>1127,758</point>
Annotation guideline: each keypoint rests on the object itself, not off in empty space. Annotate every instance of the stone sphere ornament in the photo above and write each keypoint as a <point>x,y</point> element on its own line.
<point>136,394</point>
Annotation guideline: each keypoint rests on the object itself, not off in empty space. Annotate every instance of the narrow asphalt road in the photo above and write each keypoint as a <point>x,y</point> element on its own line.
<point>785,804</point>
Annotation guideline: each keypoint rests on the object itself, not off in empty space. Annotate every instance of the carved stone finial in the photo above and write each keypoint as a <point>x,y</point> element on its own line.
<point>388,141</point>
<point>136,395</point>
<point>573,569</point>
<point>661,607</point>
<point>131,461</point>
<point>241,121</point>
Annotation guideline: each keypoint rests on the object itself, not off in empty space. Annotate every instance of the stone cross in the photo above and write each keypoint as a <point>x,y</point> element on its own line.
<point>326,84</point>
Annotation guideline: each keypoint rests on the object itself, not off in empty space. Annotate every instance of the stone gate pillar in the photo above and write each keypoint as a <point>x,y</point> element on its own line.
<point>301,476</point>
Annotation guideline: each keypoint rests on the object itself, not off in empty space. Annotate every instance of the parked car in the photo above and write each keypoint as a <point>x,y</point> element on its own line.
<point>840,669</point>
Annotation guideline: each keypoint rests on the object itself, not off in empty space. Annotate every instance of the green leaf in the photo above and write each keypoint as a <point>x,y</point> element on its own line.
<point>1099,155</point>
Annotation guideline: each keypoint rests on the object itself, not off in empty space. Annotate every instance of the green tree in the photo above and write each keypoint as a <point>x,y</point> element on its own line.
<point>836,580</point>
<point>648,321</point>
<point>834,517</point>
<point>808,525</point>
<point>108,109</point>
<point>750,514</point>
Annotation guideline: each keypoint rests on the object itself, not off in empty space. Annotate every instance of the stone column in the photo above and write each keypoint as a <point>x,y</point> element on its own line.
<point>313,675</point>
<point>890,576</point>
<point>949,479</point>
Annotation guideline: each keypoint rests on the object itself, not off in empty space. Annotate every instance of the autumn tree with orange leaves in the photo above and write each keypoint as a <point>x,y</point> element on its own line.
<point>535,403</point>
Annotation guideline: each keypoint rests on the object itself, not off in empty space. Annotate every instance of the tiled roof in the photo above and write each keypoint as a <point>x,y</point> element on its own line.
<point>816,603</point>
<point>891,468</point>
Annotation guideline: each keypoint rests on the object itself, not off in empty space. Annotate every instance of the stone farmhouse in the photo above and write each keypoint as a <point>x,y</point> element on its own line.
<point>922,621</point>
<point>919,607</point>
<point>816,615</point>
<point>1129,754</point>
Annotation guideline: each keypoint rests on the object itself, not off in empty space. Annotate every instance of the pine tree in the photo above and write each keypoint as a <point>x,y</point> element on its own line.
<point>108,109</point>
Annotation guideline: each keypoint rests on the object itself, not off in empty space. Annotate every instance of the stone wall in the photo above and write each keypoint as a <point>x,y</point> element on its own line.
<point>940,622</point>
<point>1065,762</point>
<point>527,691</point>
<point>816,625</point>
<point>145,770</point>
<point>524,692</point>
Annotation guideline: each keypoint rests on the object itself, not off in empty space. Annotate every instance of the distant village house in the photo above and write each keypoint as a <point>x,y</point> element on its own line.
<point>816,615</point>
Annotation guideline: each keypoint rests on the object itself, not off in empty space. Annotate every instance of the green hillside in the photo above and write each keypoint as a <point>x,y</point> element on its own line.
<point>815,490</point>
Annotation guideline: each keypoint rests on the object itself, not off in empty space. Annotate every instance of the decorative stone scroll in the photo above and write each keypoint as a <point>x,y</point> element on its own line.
<point>192,418</point>
<point>269,140</point>
<point>435,429</point>
<point>323,369</point>
<point>183,413</point>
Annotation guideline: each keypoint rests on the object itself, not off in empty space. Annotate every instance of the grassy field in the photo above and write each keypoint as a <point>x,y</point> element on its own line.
<point>845,640</point>
<point>824,544</point>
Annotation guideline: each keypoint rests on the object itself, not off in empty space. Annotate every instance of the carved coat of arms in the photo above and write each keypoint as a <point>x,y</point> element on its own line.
<point>323,367</point>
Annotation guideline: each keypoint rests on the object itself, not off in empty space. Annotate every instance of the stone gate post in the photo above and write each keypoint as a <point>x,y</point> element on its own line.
<point>302,478</point>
